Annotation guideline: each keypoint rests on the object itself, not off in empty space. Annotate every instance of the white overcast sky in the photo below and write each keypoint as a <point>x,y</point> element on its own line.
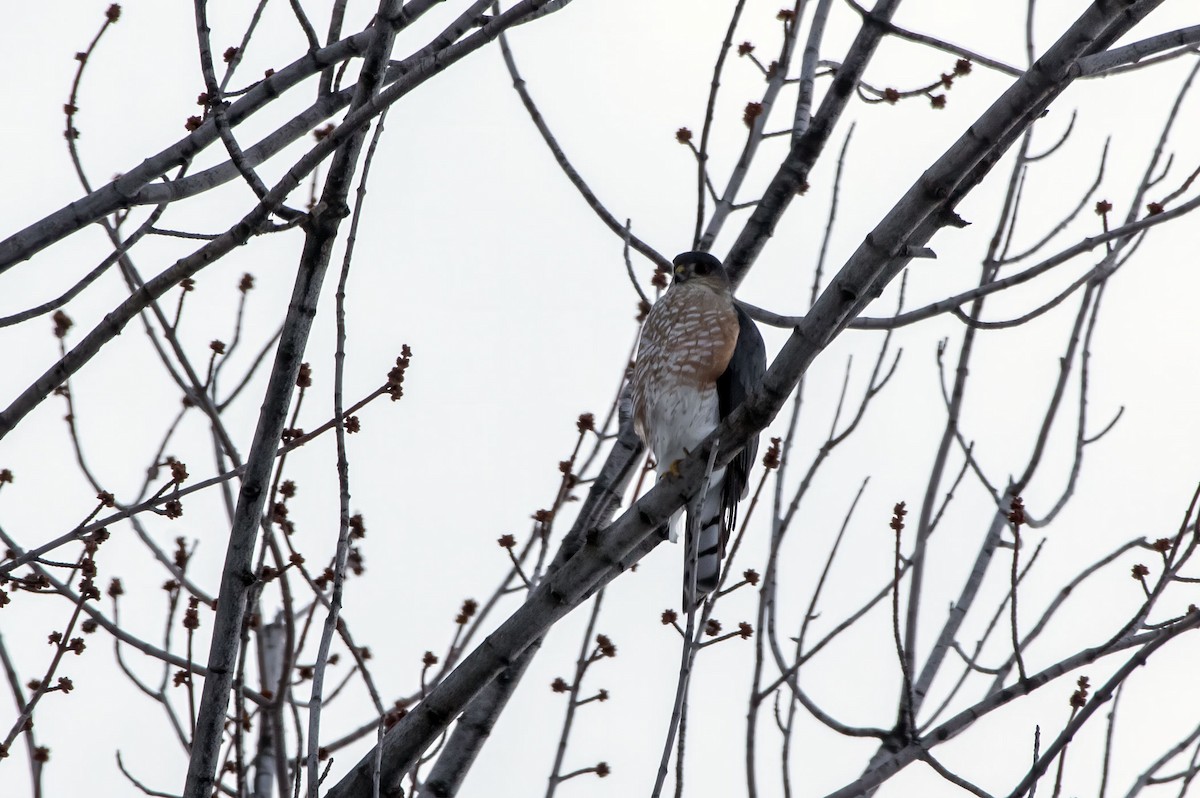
<point>476,252</point>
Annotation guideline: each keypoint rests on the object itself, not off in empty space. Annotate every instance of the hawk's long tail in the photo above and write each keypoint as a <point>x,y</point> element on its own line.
<point>716,520</point>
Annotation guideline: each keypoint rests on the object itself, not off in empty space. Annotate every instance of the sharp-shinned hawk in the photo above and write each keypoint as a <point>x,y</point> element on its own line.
<point>698,358</point>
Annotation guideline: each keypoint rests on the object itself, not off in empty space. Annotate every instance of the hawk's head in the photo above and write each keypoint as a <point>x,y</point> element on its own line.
<point>702,268</point>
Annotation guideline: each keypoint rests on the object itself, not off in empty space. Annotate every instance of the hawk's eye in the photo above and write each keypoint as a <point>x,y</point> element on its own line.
<point>701,268</point>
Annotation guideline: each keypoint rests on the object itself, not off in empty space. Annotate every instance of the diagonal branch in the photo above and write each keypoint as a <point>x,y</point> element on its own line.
<point>572,174</point>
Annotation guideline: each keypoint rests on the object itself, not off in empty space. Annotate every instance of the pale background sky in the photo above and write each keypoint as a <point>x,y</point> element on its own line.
<point>476,252</point>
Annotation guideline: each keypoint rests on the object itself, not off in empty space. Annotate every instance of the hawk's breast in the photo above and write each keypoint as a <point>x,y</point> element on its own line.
<point>686,344</point>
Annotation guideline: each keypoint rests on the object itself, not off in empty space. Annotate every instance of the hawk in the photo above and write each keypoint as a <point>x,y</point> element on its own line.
<point>698,358</point>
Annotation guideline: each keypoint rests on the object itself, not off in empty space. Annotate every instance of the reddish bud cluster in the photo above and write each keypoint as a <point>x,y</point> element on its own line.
<point>192,123</point>
<point>392,717</point>
<point>605,646</point>
<point>962,67</point>
<point>62,323</point>
<point>659,280</point>
<point>304,376</point>
<point>173,509</point>
<point>1162,545</point>
<point>181,553</point>
<point>898,513</point>
<point>6,476</point>
<point>179,472</point>
<point>1140,572</point>
<point>353,425</point>
<point>1080,696</point>
<point>745,630</point>
<point>745,48</point>
<point>770,460</point>
<point>246,283</point>
<point>785,15</point>
<point>217,346</point>
<point>358,528</point>
<point>469,607</point>
<point>586,423</point>
<point>1154,208</point>
<point>751,576</point>
<point>34,582</point>
<point>669,617</point>
<point>559,685</point>
<point>602,769</point>
<point>891,95</point>
<point>507,541</point>
<point>395,377</point>
<point>113,12</point>
<point>429,660</point>
<point>322,133</point>
<point>1103,207</point>
<point>287,489</point>
<point>191,618</point>
<point>937,101</point>
<point>712,628</point>
<point>107,499</point>
<point>229,54</point>
<point>752,111</point>
<point>683,135</point>
<point>1016,515</point>
<point>115,588</point>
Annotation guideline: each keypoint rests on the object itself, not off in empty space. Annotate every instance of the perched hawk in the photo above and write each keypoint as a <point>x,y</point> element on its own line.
<point>699,356</point>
